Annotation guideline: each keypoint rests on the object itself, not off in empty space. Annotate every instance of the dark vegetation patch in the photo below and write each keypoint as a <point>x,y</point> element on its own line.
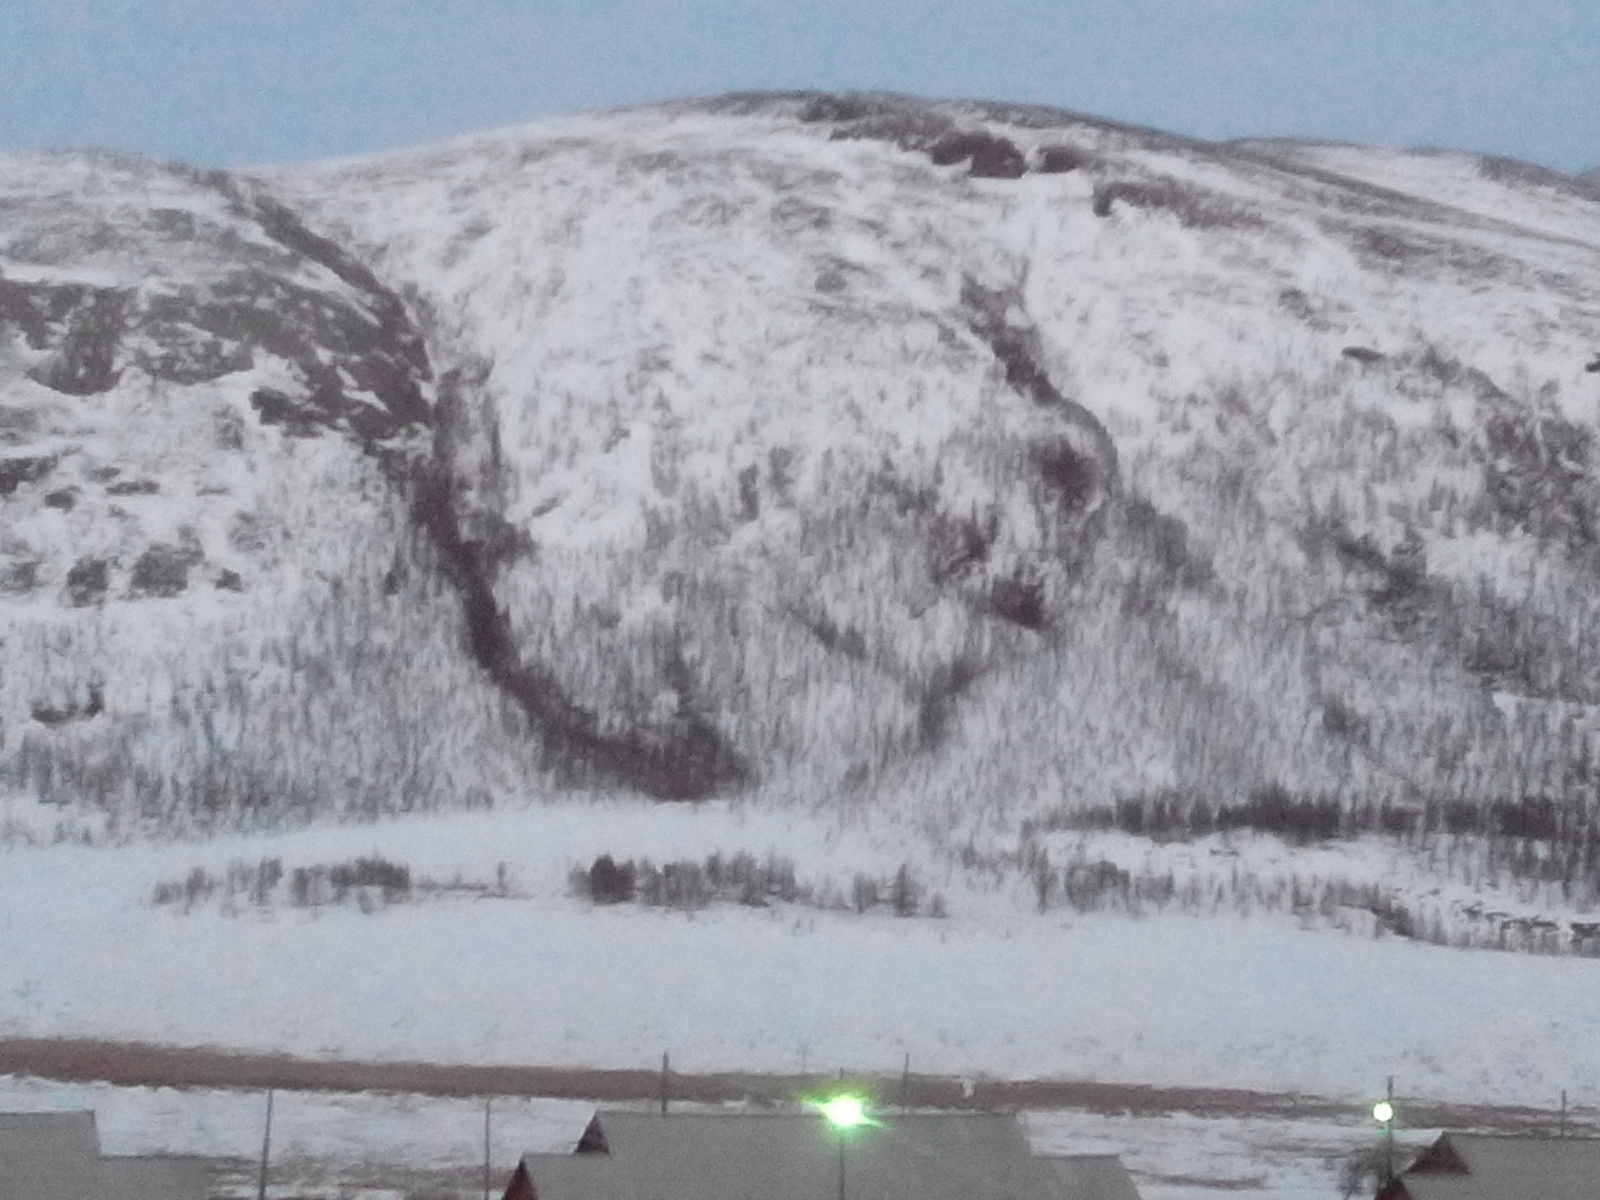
<point>1162,540</point>
<point>874,118</point>
<point>846,641</point>
<point>65,499</point>
<point>19,578</point>
<point>14,472</point>
<point>957,545</point>
<point>16,424</point>
<point>1016,345</point>
<point>989,156</point>
<point>918,129</point>
<point>1195,207</point>
<point>134,487</point>
<point>683,758</point>
<point>1069,476</point>
<point>744,879</point>
<point>1299,305</point>
<point>1393,248</point>
<point>183,353</point>
<point>1529,837</point>
<point>1539,476</point>
<point>80,326</point>
<point>277,409</point>
<point>1514,171</point>
<point>1057,160</point>
<point>229,581</point>
<point>1364,355</point>
<point>163,571</point>
<point>1306,819</point>
<point>64,714</point>
<point>936,705</point>
<point>370,882</point>
<point>1395,583</point>
<point>793,215</point>
<point>87,581</point>
<point>1020,599</point>
<point>84,360</point>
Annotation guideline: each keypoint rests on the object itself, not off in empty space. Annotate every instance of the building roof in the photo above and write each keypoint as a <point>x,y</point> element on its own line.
<point>151,1177</point>
<point>48,1156</point>
<point>795,1156</point>
<point>1467,1166</point>
<point>56,1156</point>
<point>1090,1177</point>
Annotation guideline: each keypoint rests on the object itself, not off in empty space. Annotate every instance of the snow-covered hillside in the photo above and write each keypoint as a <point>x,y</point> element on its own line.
<point>1064,527</point>
<point>962,457</point>
<point>975,464</point>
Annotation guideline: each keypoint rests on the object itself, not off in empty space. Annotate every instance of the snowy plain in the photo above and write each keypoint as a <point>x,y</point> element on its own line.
<point>540,976</point>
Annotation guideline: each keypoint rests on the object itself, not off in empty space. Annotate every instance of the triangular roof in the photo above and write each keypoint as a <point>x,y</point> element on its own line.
<point>1473,1166</point>
<point>795,1156</point>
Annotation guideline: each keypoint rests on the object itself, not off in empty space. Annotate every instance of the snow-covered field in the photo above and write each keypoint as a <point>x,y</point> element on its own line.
<point>538,976</point>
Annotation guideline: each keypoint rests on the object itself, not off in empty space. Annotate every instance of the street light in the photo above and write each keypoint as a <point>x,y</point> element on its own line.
<point>844,1112</point>
<point>1383,1113</point>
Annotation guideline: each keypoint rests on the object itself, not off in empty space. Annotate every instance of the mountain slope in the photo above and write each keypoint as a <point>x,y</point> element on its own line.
<point>1000,456</point>
<point>204,570</point>
<point>976,462</point>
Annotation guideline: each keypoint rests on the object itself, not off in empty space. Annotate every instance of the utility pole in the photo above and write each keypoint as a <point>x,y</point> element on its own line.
<point>1563,1112</point>
<point>266,1150</point>
<point>665,1068</point>
<point>487,1101</point>
<point>905,1083</point>
<point>1388,1130</point>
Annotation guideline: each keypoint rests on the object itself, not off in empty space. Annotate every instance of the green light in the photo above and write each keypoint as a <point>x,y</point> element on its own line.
<point>844,1112</point>
<point>1383,1112</point>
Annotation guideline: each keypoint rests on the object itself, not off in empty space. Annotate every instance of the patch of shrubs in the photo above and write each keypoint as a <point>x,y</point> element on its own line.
<point>1194,207</point>
<point>742,879</point>
<point>370,881</point>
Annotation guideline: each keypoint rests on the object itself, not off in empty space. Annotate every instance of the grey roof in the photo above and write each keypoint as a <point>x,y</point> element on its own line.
<point>56,1156</point>
<point>48,1156</point>
<point>1510,1168</point>
<point>154,1178</point>
<point>1090,1177</point>
<point>796,1157</point>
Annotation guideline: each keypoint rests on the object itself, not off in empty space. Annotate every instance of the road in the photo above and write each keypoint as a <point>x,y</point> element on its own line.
<point>132,1064</point>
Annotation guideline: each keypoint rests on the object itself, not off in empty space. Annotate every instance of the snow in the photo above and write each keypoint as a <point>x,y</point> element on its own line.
<point>661,299</point>
<point>543,977</point>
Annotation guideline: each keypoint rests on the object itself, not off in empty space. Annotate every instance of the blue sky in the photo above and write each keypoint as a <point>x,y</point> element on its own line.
<point>253,81</point>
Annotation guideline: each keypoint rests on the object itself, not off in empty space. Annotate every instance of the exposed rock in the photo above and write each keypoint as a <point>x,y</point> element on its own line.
<point>990,155</point>
<point>54,715</point>
<point>1056,160</point>
<point>18,577</point>
<point>162,571</point>
<point>14,472</point>
<point>88,581</point>
<point>134,487</point>
<point>1364,355</point>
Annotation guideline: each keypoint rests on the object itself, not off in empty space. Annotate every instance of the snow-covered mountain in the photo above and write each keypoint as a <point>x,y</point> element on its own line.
<point>969,462</point>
